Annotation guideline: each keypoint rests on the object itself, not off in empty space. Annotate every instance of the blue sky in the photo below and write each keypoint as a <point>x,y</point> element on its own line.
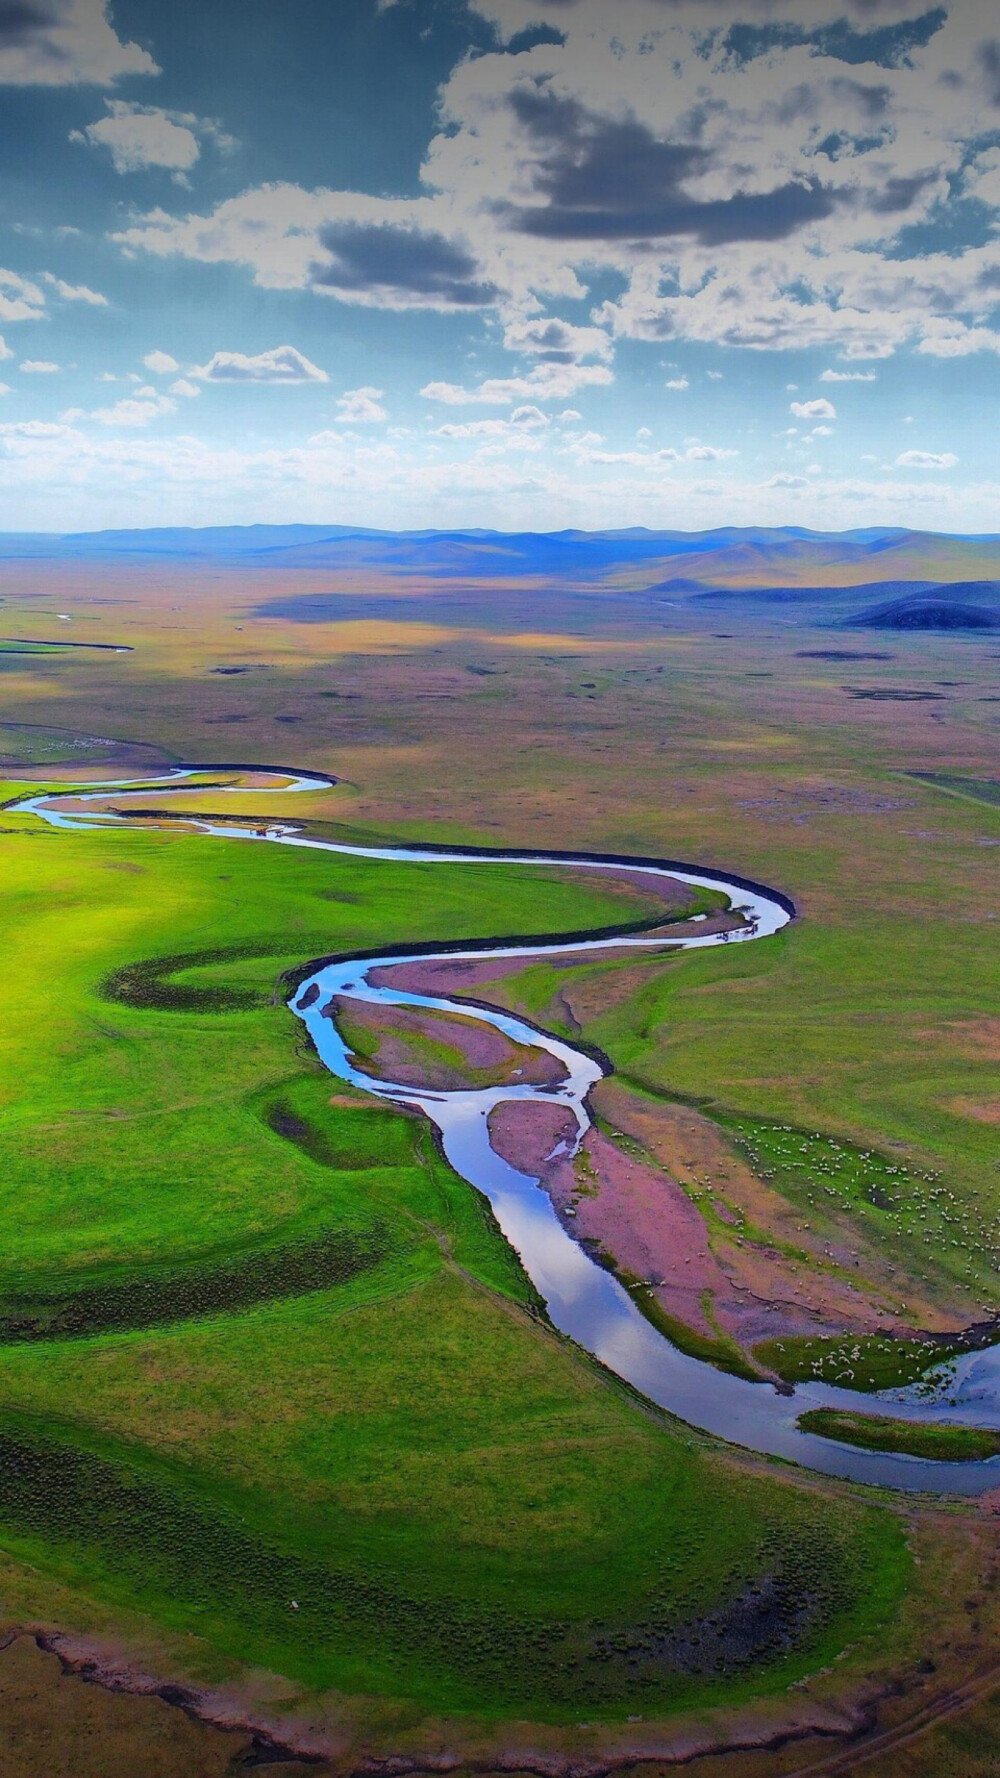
<point>500,262</point>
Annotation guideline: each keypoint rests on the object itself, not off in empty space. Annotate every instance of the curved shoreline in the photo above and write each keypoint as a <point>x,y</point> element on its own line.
<point>585,1302</point>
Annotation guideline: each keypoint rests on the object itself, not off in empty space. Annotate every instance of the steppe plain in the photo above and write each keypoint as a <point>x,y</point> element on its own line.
<point>259,1346</point>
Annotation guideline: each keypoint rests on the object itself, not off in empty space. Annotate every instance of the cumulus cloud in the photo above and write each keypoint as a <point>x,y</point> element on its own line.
<point>926,460</point>
<point>398,266</point>
<point>377,252</point>
<point>820,409</point>
<point>141,136</point>
<point>748,170</point>
<point>945,338</point>
<point>745,175</point>
<point>145,475</point>
<point>512,17</point>
<point>523,422</point>
<point>594,177</point>
<point>38,367</point>
<point>282,365</point>
<point>695,453</point>
<point>544,382</point>
<point>160,363</point>
<point>20,299</point>
<point>37,429</point>
<point>64,43</point>
<point>75,293</point>
<point>135,410</point>
<point>557,342</point>
<point>360,407</point>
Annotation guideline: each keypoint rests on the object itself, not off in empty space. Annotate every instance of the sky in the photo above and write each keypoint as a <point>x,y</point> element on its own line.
<point>513,263</point>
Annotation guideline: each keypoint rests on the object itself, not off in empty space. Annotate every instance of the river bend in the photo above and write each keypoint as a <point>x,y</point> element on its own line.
<point>584,1302</point>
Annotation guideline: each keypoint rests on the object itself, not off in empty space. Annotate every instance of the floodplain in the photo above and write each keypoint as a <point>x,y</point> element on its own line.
<point>283,1421</point>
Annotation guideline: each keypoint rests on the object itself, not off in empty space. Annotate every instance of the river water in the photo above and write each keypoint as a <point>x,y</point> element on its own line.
<point>584,1301</point>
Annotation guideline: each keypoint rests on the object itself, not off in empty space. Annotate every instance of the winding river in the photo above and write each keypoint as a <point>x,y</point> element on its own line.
<point>584,1301</point>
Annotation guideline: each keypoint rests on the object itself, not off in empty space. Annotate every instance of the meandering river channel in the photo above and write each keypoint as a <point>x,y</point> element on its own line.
<point>584,1301</point>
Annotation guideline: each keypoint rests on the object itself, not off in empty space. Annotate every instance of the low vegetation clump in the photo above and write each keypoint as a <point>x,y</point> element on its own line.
<point>160,1296</point>
<point>913,1438</point>
<point>978,790</point>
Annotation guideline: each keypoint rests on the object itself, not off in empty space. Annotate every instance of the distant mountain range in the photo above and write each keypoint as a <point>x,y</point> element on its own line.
<point>729,556</point>
<point>906,579</point>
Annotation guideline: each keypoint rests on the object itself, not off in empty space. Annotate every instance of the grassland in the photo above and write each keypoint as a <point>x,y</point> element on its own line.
<point>867,1363</point>
<point>477,1520</point>
<point>261,1346</point>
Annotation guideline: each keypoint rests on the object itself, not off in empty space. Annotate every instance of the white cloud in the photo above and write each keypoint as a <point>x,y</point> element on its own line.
<point>75,293</point>
<point>131,476</point>
<point>285,364</point>
<point>41,429</point>
<point>361,407</point>
<point>678,383</point>
<point>546,382</point>
<point>557,342</point>
<point>740,200</point>
<point>141,136</point>
<point>820,409</point>
<point>788,481</point>
<point>186,388</point>
<point>926,460</point>
<point>695,453</point>
<point>20,299</point>
<point>752,201</point>
<point>65,43</point>
<point>38,367</point>
<point>523,422</point>
<point>390,253</point>
<point>951,339</point>
<point>5,351</point>
<point>161,364</point>
<point>699,453</point>
<point>135,410</point>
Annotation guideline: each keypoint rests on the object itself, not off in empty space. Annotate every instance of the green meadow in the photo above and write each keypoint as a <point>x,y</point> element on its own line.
<point>268,1372</point>
<point>852,1062</point>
